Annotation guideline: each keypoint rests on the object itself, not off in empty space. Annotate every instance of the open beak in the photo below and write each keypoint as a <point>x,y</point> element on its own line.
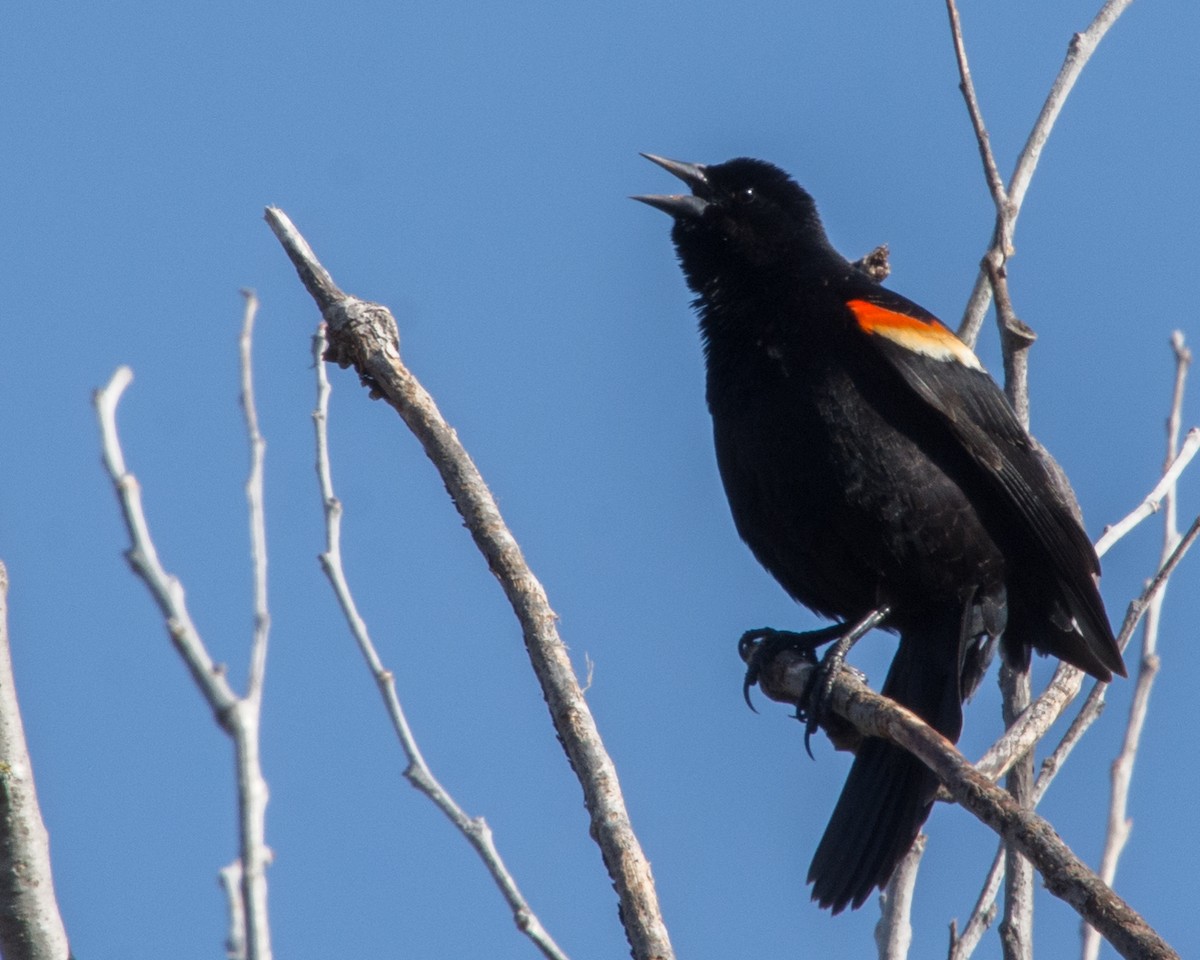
<point>679,204</point>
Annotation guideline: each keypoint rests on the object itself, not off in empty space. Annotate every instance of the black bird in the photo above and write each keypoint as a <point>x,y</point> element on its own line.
<point>871,463</point>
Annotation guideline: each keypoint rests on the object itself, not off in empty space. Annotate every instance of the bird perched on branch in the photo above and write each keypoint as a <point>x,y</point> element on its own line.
<point>872,465</point>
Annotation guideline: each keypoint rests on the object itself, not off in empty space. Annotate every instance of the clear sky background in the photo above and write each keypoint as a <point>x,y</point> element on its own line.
<point>468,165</point>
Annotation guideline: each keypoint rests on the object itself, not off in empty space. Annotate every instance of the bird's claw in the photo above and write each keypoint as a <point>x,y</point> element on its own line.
<point>759,647</point>
<point>814,705</point>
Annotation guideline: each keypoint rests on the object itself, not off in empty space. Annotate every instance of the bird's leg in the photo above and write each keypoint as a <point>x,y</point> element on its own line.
<point>759,647</point>
<point>820,688</point>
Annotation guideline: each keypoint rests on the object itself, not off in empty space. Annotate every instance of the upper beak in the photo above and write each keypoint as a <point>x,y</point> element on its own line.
<point>680,205</point>
<point>693,174</point>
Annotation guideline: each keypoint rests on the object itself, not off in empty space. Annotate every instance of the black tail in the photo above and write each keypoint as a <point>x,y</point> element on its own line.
<point>889,792</point>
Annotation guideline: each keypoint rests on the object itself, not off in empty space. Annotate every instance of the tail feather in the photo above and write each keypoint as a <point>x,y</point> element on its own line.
<point>889,792</point>
<point>886,799</point>
<point>1073,632</point>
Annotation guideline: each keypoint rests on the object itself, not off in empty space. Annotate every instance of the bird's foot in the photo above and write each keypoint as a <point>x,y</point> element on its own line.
<point>814,706</point>
<point>757,648</point>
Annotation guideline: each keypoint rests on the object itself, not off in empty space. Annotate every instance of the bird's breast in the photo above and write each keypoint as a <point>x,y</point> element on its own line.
<point>843,496</point>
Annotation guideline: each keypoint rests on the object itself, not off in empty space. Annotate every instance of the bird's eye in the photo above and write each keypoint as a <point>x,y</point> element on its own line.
<point>745,195</point>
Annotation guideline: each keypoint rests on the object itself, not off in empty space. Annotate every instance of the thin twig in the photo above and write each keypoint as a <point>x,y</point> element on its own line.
<point>1021,737</point>
<point>238,717</point>
<point>967,86</point>
<point>231,883</point>
<point>1015,335</point>
<point>893,932</point>
<point>1016,338</point>
<point>1154,500</point>
<point>1016,928</point>
<point>1138,607</point>
<point>475,829</point>
<point>1079,51</point>
<point>1119,825</point>
<point>31,925</point>
<point>252,787</point>
<point>364,335</point>
<point>786,678</point>
<point>983,915</point>
<point>142,556</point>
<point>254,502</point>
<point>1067,680</point>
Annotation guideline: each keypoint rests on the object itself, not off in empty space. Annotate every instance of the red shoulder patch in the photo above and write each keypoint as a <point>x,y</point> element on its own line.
<point>930,338</point>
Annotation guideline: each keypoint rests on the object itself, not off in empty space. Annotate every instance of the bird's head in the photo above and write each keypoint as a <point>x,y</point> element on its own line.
<point>743,217</point>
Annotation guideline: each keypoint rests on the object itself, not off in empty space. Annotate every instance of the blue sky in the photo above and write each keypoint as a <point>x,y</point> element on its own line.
<point>469,166</point>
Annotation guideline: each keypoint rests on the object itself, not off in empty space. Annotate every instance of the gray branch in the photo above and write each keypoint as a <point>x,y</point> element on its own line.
<point>31,927</point>
<point>1079,51</point>
<point>786,679</point>
<point>418,773</point>
<point>1119,825</point>
<point>364,335</point>
<point>238,716</point>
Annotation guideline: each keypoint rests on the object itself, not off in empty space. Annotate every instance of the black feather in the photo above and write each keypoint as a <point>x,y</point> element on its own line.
<point>868,459</point>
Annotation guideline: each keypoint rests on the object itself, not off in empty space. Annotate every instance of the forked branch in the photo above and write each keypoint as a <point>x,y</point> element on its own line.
<point>238,716</point>
<point>364,335</point>
<point>786,679</point>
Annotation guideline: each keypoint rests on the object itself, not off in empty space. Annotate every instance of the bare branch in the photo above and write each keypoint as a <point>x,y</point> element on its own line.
<point>1183,362</point>
<point>1015,336</point>
<point>365,336</point>
<point>1030,727</point>
<point>984,912</point>
<point>31,926</point>
<point>1154,500</point>
<point>1016,745</point>
<point>1021,737</point>
<point>1016,929</point>
<point>1119,825</point>
<point>1015,340</point>
<point>1088,714</point>
<point>1067,681</point>
<point>166,590</point>
<point>893,932</point>
<point>990,171</point>
<point>962,945</point>
<point>252,787</point>
<point>475,829</point>
<point>786,679</point>
<point>1079,51</point>
<point>254,501</point>
<point>238,717</point>
<point>1138,607</point>
<point>231,883</point>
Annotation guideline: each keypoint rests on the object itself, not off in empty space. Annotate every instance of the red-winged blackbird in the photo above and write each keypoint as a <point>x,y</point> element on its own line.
<point>870,461</point>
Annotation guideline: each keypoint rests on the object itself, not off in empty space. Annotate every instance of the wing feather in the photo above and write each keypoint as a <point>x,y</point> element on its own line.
<point>979,416</point>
